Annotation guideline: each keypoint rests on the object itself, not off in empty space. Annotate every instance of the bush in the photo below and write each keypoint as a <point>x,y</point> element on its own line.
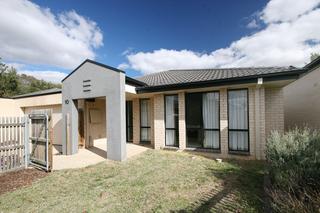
<point>294,169</point>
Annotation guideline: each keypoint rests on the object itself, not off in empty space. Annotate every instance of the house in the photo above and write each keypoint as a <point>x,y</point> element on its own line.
<point>226,112</point>
<point>302,99</point>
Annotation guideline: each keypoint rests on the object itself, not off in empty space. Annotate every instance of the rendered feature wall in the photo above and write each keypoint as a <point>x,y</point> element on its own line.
<point>89,81</point>
<point>302,101</point>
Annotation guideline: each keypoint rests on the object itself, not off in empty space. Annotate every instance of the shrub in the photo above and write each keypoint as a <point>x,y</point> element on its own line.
<point>294,168</point>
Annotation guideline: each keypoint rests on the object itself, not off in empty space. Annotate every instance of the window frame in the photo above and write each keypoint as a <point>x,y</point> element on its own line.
<point>202,129</point>
<point>144,127</point>
<point>232,151</point>
<point>177,128</point>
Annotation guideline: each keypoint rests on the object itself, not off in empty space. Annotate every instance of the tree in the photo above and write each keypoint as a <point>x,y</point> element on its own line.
<point>8,81</point>
<point>12,83</point>
<point>314,56</point>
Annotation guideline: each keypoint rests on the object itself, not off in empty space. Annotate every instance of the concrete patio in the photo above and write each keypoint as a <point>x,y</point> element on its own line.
<point>91,156</point>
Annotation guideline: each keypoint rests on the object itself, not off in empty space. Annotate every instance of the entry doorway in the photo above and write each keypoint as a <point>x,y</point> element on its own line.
<point>92,123</point>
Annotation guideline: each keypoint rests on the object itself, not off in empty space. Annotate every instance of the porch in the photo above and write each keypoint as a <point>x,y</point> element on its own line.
<point>91,156</point>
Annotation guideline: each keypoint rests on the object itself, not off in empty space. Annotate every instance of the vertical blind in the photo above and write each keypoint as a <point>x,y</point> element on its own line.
<point>171,119</point>
<point>144,120</point>
<point>210,110</point>
<point>238,120</point>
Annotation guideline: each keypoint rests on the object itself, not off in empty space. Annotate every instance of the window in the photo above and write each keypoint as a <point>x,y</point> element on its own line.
<point>238,120</point>
<point>145,121</point>
<point>129,121</point>
<point>203,120</point>
<point>171,120</point>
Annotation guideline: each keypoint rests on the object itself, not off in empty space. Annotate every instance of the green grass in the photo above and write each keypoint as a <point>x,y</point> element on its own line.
<point>155,181</point>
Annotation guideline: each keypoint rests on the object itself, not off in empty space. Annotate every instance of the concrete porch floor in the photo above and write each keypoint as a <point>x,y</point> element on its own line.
<point>91,156</point>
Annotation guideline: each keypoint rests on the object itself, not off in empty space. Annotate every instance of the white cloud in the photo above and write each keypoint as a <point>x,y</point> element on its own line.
<point>287,10</point>
<point>291,34</point>
<point>123,66</point>
<point>253,24</point>
<point>34,35</point>
<point>51,76</point>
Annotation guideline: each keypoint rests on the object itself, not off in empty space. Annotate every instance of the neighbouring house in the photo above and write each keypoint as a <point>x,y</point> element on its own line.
<point>227,112</point>
<point>302,99</point>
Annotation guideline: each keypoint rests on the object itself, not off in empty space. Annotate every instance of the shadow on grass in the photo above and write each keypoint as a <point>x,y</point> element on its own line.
<point>241,189</point>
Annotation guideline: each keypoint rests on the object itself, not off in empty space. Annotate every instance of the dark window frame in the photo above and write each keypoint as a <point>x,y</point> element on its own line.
<point>201,128</point>
<point>177,128</point>
<point>144,127</point>
<point>232,151</point>
<point>127,124</point>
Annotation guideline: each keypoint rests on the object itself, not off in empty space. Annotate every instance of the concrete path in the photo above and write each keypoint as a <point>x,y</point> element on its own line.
<point>91,156</point>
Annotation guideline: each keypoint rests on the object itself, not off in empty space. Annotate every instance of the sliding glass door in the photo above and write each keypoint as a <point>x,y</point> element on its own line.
<point>238,127</point>
<point>211,120</point>
<point>171,120</point>
<point>145,128</point>
<point>202,120</point>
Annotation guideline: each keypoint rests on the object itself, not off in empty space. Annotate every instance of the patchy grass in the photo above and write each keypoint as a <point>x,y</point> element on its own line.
<point>155,181</point>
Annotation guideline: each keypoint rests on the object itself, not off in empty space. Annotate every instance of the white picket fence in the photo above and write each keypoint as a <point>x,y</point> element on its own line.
<point>13,136</point>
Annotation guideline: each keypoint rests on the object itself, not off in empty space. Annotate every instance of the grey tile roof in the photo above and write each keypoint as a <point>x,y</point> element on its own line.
<point>173,77</point>
<point>39,93</point>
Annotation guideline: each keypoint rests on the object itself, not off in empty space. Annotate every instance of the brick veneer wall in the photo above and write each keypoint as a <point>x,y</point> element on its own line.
<point>158,122</point>
<point>182,121</point>
<point>224,122</point>
<point>274,110</point>
<point>136,120</point>
<point>152,120</point>
<point>267,102</point>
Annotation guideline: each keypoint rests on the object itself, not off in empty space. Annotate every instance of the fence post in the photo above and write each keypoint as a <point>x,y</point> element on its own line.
<point>26,141</point>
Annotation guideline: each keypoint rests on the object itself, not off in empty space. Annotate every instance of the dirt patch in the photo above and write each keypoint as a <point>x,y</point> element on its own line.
<point>11,181</point>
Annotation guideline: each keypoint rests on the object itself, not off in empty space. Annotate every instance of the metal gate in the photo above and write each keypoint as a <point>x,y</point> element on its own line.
<point>40,143</point>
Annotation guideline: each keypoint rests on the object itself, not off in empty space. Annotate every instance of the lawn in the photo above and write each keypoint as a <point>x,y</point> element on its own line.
<point>155,181</point>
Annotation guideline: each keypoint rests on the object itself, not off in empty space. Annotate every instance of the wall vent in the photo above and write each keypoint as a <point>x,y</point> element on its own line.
<point>86,85</point>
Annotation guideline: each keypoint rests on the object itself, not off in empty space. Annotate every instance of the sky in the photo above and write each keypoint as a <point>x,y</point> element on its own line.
<point>50,38</point>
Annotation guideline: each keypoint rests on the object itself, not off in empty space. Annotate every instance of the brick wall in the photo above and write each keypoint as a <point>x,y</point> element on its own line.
<point>182,121</point>
<point>152,120</point>
<point>265,114</point>
<point>274,110</point>
<point>136,120</point>
<point>158,122</point>
<point>224,122</point>
<point>252,123</point>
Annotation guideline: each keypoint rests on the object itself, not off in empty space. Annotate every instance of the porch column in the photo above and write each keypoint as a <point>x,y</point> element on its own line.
<point>159,127</point>
<point>182,121</point>
<point>116,122</point>
<point>70,127</point>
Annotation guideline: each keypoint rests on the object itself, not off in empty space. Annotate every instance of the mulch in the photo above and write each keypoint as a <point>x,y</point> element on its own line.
<point>11,181</point>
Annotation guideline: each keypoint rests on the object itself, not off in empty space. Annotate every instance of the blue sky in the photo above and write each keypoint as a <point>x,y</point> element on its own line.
<point>146,25</point>
<point>143,36</point>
